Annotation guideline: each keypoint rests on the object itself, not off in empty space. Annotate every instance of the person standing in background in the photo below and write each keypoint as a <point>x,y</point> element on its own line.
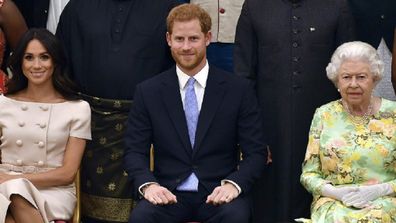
<point>375,21</point>
<point>54,12</point>
<point>42,13</point>
<point>284,46</point>
<point>112,45</point>
<point>224,15</point>
<point>12,27</point>
<point>35,12</point>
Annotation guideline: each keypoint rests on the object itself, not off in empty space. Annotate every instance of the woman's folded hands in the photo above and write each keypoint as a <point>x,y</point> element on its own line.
<point>365,194</point>
<point>337,193</point>
<point>357,196</point>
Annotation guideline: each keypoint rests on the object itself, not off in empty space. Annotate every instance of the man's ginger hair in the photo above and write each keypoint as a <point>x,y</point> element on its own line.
<point>188,12</point>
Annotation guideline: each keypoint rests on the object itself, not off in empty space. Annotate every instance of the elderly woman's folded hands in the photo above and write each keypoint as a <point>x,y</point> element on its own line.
<point>357,196</point>
<point>338,193</point>
<point>363,196</point>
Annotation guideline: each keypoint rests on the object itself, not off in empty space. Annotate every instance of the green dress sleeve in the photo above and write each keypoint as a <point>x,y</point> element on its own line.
<point>311,176</point>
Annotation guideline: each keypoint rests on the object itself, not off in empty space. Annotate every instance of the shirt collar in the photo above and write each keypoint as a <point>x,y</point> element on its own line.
<point>200,77</point>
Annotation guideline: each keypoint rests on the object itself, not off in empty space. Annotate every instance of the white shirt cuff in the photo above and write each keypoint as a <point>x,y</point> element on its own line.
<point>233,183</point>
<point>145,185</point>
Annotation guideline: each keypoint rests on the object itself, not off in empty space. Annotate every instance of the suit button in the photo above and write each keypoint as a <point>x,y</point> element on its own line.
<point>295,44</point>
<point>295,59</point>
<point>178,180</point>
<point>295,17</point>
<point>195,167</point>
<point>24,107</point>
<point>21,123</point>
<point>43,125</point>
<point>295,5</point>
<point>295,31</point>
<point>382,16</point>
<point>222,10</point>
<point>295,73</point>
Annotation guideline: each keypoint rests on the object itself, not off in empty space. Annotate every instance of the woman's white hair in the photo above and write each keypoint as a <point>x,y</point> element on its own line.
<point>359,51</point>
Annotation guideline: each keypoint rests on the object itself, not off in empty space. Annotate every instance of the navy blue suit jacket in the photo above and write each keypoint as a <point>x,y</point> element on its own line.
<point>229,117</point>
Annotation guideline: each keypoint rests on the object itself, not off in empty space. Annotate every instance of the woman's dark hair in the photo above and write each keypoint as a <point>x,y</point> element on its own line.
<point>60,78</point>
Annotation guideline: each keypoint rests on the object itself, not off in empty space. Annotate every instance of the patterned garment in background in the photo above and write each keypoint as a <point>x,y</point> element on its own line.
<point>342,152</point>
<point>103,193</point>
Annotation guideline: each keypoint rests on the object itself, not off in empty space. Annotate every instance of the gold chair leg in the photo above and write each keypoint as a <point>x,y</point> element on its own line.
<point>77,210</point>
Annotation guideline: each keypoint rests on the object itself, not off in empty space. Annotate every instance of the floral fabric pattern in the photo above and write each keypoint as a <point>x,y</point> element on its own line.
<point>342,152</point>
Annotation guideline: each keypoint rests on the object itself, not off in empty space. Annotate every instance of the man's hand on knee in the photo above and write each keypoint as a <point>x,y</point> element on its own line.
<point>223,194</point>
<point>159,195</point>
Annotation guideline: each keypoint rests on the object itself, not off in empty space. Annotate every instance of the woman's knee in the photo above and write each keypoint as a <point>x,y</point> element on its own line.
<point>18,202</point>
<point>9,218</point>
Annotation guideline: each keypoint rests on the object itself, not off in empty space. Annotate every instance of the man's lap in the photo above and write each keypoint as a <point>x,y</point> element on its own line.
<point>191,206</point>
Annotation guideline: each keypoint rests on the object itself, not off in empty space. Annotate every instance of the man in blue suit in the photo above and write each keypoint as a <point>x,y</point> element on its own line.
<point>198,119</point>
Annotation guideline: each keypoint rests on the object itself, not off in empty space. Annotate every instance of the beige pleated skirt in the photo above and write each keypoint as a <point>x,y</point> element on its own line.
<point>55,203</point>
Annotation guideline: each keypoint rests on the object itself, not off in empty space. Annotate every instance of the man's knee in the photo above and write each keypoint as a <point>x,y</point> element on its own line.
<point>230,214</point>
<point>143,212</point>
<point>237,211</point>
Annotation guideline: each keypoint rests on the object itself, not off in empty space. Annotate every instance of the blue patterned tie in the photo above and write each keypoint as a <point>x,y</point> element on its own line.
<point>191,111</point>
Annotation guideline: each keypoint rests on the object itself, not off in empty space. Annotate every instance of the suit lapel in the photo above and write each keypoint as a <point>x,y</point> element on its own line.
<point>214,93</point>
<point>172,100</point>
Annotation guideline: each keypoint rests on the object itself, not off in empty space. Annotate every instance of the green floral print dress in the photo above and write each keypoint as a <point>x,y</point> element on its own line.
<point>343,152</point>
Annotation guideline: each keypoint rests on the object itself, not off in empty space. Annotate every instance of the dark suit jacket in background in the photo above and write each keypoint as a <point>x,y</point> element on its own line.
<point>229,116</point>
<point>285,47</point>
<point>374,20</point>
<point>113,45</point>
<point>35,12</point>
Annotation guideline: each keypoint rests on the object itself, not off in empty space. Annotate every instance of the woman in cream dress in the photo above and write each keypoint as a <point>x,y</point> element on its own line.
<point>43,129</point>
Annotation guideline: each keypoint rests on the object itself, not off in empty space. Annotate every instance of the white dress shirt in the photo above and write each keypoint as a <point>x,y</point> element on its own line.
<point>199,85</point>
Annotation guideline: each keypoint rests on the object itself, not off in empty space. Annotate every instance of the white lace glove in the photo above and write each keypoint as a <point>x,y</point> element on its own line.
<point>365,194</point>
<point>337,193</point>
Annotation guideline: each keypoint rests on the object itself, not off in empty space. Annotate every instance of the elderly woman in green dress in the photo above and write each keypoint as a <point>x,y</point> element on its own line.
<point>350,162</point>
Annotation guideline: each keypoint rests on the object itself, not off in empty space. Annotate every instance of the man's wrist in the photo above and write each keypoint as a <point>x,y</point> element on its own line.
<point>143,187</point>
<point>232,183</point>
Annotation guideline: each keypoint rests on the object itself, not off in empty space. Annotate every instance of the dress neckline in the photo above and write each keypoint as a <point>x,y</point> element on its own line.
<point>32,102</point>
